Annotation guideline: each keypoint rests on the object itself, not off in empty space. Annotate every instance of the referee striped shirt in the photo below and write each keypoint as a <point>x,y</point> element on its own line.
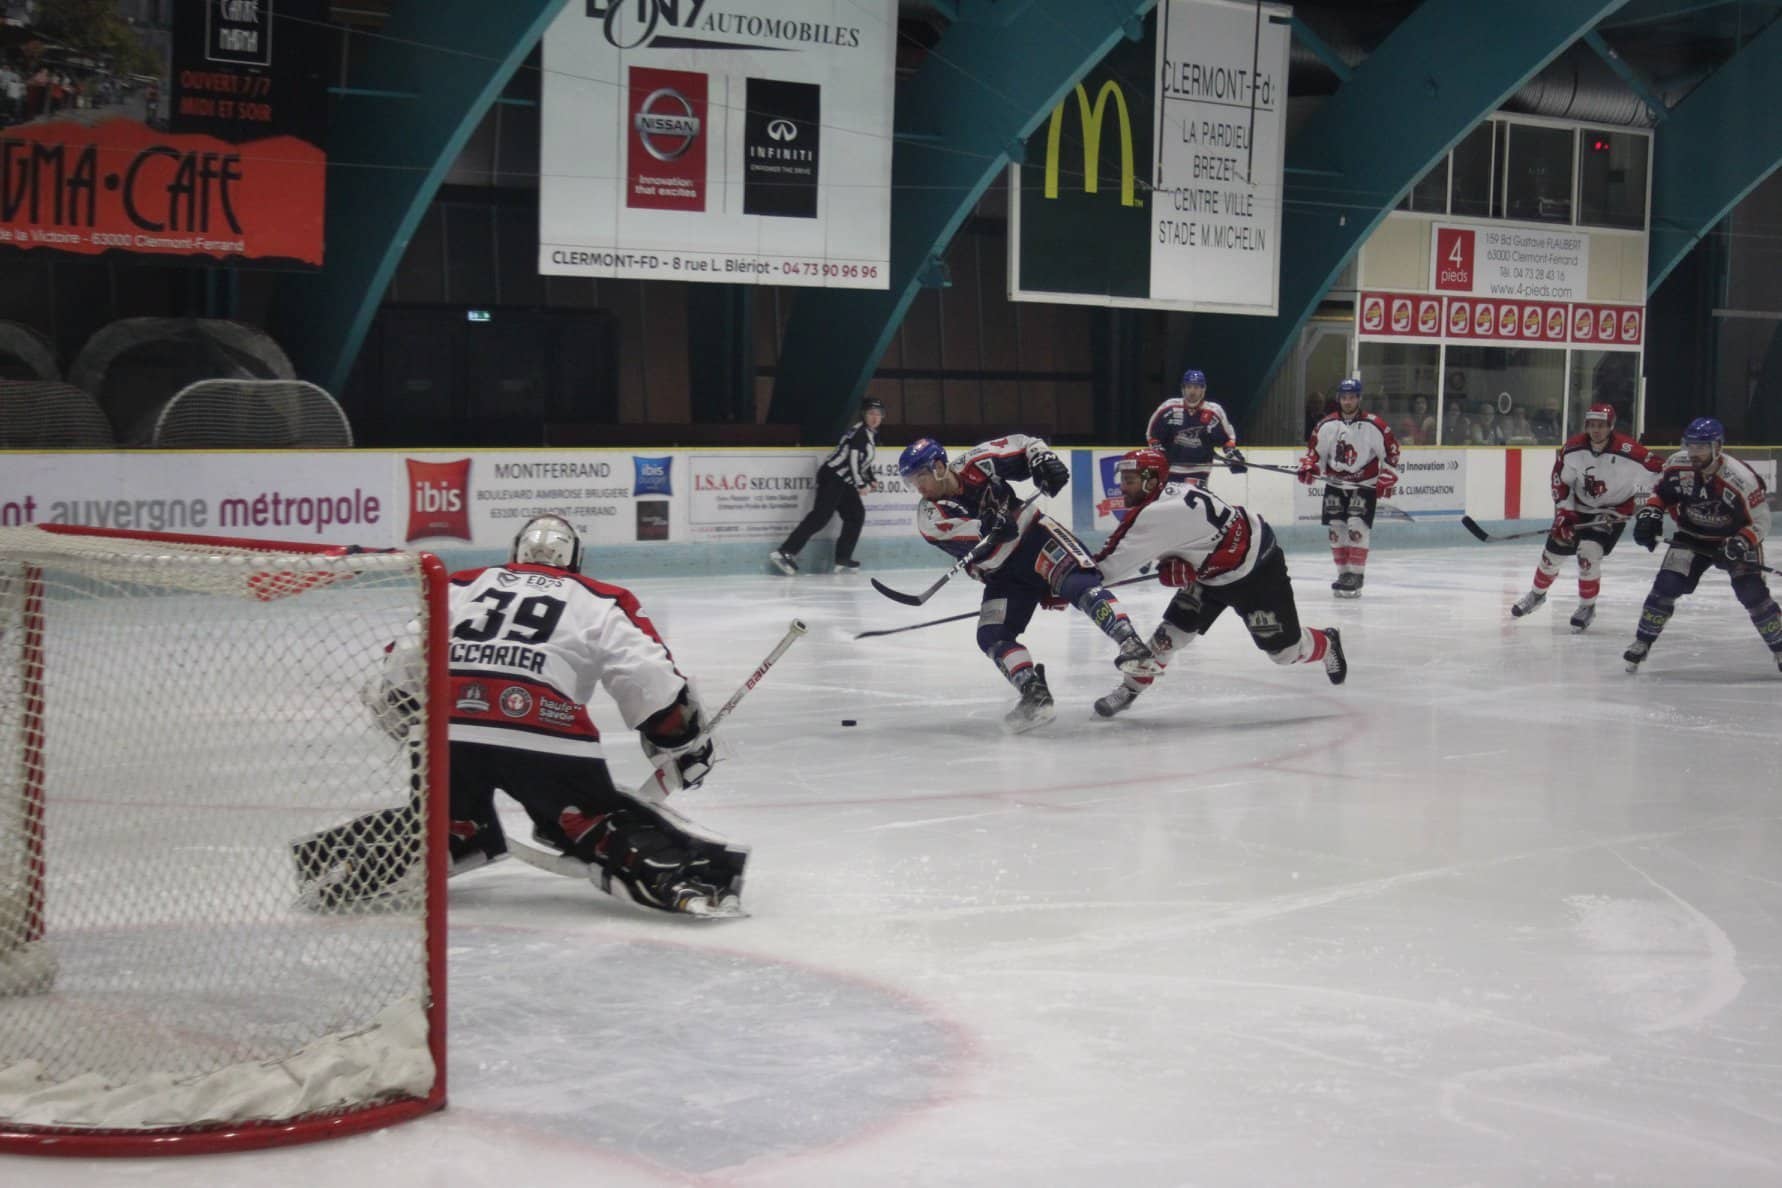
<point>852,458</point>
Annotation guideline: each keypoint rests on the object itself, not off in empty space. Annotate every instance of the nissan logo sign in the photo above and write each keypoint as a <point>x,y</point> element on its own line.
<point>666,124</point>
<point>782,129</point>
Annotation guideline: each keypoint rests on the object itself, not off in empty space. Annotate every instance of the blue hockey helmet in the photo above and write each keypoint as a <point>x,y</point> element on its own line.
<point>920,457</point>
<point>1349,385</point>
<point>1704,431</point>
<point>1193,376</point>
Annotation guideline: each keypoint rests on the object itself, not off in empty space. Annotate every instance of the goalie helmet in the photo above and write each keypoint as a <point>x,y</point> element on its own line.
<point>548,540</point>
<point>1149,464</point>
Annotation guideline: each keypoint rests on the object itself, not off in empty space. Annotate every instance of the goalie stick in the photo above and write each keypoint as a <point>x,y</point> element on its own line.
<point>1472,526</point>
<point>979,552</point>
<point>1143,577</point>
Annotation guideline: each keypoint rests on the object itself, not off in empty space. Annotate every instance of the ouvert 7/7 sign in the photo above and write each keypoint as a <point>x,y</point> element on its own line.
<point>1156,181</point>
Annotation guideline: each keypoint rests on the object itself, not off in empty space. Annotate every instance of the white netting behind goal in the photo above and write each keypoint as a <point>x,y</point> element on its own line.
<point>250,414</point>
<point>176,720</point>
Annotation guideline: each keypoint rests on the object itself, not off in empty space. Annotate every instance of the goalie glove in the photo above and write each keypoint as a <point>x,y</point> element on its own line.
<point>393,695</point>
<point>1234,460</point>
<point>1049,472</point>
<point>1648,527</point>
<point>676,744</point>
<point>1742,546</point>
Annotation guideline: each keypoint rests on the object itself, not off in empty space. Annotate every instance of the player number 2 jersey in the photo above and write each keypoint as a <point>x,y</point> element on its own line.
<point>1222,541</point>
<point>529,643</point>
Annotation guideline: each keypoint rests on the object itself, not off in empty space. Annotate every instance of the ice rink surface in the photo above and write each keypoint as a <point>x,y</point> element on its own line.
<point>1493,913</point>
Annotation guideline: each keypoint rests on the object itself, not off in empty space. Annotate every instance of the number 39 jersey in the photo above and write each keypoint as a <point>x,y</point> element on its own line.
<point>529,643</point>
<point>1222,541</point>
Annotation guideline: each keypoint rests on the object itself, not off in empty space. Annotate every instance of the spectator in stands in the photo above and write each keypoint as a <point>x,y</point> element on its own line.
<point>1457,427</point>
<point>12,94</point>
<point>1491,430</point>
<point>1415,426</point>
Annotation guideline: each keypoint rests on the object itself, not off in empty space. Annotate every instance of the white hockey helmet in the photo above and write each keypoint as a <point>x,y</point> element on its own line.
<point>548,540</point>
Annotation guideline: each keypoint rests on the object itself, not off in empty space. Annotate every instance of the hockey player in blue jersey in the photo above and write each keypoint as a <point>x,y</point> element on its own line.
<point>1025,558</point>
<point>1722,511</point>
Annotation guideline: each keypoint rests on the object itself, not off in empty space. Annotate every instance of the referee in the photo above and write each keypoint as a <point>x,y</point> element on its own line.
<point>844,474</point>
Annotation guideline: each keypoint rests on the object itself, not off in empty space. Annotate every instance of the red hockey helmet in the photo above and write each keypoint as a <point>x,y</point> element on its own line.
<point>1149,464</point>
<point>1600,412</point>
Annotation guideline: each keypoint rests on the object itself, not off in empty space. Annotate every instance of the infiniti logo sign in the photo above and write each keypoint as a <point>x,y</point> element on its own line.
<point>782,130</point>
<point>665,124</point>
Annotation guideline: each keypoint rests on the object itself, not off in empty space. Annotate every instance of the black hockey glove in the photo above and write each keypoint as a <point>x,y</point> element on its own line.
<point>1050,474</point>
<point>996,514</point>
<point>1648,527</point>
<point>1234,458</point>
<point>1741,547</point>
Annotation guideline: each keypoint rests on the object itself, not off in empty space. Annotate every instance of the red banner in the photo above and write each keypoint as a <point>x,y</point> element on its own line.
<point>1556,323</point>
<point>667,130</point>
<point>121,185</point>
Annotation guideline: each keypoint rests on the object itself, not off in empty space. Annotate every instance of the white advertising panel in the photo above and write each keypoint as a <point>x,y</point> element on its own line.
<point>1431,486</point>
<point>1529,263</point>
<point>309,497</point>
<point>745,141</point>
<point>1220,135</point>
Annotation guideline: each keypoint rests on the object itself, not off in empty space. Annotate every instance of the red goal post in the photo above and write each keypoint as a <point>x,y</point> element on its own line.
<point>181,718</point>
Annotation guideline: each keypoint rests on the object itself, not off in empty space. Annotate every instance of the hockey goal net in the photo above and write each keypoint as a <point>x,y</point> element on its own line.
<point>177,714</point>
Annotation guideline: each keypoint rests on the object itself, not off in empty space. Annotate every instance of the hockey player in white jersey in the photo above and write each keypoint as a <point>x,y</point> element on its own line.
<point>1597,479</point>
<point>1219,555</point>
<point>529,643</point>
<point>1722,512</point>
<point>1356,455</point>
<point>1188,427</point>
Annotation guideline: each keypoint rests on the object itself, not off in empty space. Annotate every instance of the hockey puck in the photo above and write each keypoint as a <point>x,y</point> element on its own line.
<point>849,722</point>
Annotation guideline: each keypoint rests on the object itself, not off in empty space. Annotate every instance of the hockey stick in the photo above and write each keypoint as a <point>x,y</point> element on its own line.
<point>979,551</point>
<point>1345,484</point>
<point>1143,577</point>
<point>1472,526</point>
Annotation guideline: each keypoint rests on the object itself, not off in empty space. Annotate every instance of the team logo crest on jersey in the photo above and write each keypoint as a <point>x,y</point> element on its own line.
<point>1593,486</point>
<point>516,702</point>
<point>1344,453</point>
<point>473,699</point>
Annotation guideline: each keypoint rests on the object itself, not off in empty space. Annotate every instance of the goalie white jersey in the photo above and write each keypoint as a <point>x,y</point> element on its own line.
<point>528,645</point>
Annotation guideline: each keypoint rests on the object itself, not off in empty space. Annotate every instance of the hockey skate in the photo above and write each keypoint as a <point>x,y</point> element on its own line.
<point>1122,696</point>
<point>1528,603</point>
<point>783,563</point>
<point>1136,658</point>
<point>847,567</point>
<point>1583,616</point>
<point>1347,585</point>
<point>1036,706</point>
<point>1336,665</point>
<point>1636,654</point>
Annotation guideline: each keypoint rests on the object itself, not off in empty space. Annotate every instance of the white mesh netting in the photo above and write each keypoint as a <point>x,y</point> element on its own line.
<point>213,899</point>
<point>251,414</point>
<point>39,414</point>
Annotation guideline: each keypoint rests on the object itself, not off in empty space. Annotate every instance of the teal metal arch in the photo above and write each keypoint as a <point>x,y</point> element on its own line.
<point>993,76</point>
<point>1699,172</point>
<point>1446,66</point>
<point>420,87</point>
